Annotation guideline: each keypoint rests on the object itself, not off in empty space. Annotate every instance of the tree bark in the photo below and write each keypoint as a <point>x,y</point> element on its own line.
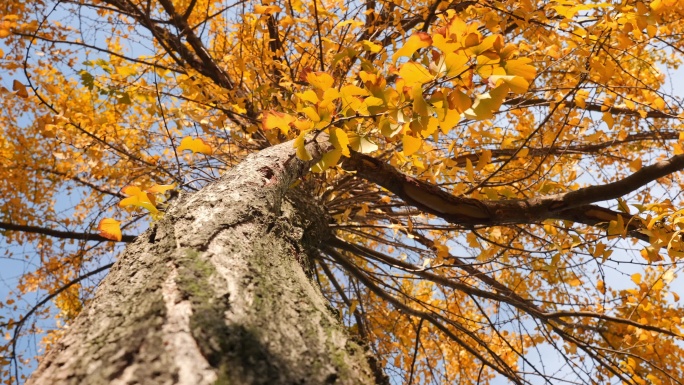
<point>216,292</point>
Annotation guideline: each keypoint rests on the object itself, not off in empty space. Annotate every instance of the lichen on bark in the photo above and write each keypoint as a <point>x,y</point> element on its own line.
<point>273,312</point>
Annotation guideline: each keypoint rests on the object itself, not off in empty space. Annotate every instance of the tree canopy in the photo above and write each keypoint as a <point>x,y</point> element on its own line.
<point>503,188</point>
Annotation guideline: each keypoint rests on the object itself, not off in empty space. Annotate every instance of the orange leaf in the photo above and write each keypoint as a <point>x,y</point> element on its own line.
<point>20,89</point>
<point>459,101</point>
<point>266,9</point>
<point>608,118</point>
<point>275,119</point>
<point>139,198</point>
<point>161,188</point>
<point>110,228</point>
<point>195,145</point>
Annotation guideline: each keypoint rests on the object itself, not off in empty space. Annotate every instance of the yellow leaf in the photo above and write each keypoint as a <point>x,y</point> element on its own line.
<point>593,137</point>
<point>20,89</point>
<point>456,63</point>
<point>599,249</point>
<point>519,67</point>
<point>126,71</point>
<point>656,5</point>
<point>339,139</point>
<point>445,45</point>
<point>608,118</point>
<point>636,278</point>
<point>266,9</point>
<point>320,80</point>
<point>361,143</point>
<point>300,146</point>
<point>601,287</point>
<point>581,97</point>
<point>488,65</point>
<point>308,96</point>
<point>442,250</point>
<point>275,119</point>
<point>484,159</point>
<point>652,254</point>
<point>139,198</point>
<point>469,170</point>
<point>659,103</point>
<point>658,286</point>
<point>110,228</point>
<point>457,27</point>
<point>303,125</point>
<point>516,83</point>
<point>161,188</point>
<point>311,113</point>
<point>487,43</point>
<point>349,96</point>
<point>411,144</point>
<point>486,104</point>
<point>414,73</point>
<point>420,106</point>
<point>195,145</point>
<point>459,101</point>
<point>616,227</point>
<point>372,47</point>
<point>329,159</point>
<point>574,282</point>
<point>430,128</point>
<point>414,43</point>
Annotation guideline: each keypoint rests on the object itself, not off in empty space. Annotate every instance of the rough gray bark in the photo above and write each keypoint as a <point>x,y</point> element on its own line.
<point>215,293</point>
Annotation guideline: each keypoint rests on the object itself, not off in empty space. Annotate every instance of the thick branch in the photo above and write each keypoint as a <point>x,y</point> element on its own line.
<point>573,205</point>
<point>617,189</point>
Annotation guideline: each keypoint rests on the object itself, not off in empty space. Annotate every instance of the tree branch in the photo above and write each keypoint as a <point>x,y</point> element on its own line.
<point>62,234</point>
<point>653,114</point>
<point>573,205</point>
<point>593,148</point>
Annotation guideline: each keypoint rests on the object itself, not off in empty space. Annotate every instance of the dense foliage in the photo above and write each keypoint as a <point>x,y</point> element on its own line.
<point>467,243</point>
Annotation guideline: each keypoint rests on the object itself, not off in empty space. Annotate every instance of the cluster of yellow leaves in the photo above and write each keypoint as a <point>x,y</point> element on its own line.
<point>648,303</point>
<point>148,199</point>
<point>433,92</point>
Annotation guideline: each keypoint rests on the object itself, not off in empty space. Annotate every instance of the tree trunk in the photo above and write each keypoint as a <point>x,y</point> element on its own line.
<point>216,292</point>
